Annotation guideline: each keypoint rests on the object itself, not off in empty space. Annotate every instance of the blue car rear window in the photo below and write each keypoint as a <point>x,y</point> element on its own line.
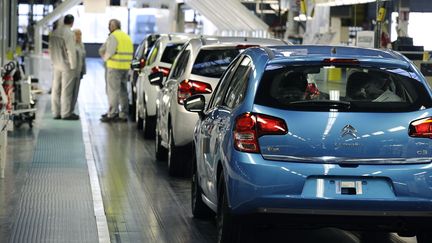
<point>362,89</point>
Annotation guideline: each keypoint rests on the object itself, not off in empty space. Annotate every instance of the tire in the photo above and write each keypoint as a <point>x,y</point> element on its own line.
<point>139,120</point>
<point>228,228</point>
<point>160,152</point>
<point>424,237</point>
<point>132,108</point>
<point>199,209</point>
<point>374,236</point>
<point>148,125</point>
<point>174,164</point>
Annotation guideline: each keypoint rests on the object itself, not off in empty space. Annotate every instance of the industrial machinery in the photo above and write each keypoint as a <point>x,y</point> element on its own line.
<point>20,104</point>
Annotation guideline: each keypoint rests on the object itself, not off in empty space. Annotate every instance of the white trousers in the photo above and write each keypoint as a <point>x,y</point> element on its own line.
<point>61,92</point>
<point>76,85</point>
<point>117,92</point>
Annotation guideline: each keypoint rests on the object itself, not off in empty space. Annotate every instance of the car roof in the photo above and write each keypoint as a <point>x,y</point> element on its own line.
<point>174,37</point>
<point>215,41</point>
<point>317,53</point>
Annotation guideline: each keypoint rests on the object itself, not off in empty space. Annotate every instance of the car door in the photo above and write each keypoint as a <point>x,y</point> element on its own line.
<point>222,118</point>
<point>170,85</point>
<point>143,76</point>
<point>206,129</point>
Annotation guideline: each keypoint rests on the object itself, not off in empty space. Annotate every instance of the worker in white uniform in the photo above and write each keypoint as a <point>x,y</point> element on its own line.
<point>81,66</point>
<point>117,55</point>
<point>64,59</point>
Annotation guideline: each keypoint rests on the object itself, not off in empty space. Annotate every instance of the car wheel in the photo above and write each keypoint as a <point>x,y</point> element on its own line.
<point>160,151</point>
<point>374,236</point>
<point>138,119</point>
<point>229,230</point>
<point>148,124</point>
<point>199,209</point>
<point>173,156</point>
<point>424,237</point>
<point>132,108</point>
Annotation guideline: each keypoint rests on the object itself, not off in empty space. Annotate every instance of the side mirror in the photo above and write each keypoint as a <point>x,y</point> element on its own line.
<point>195,103</point>
<point>135,65</point>
<point>156,79</point>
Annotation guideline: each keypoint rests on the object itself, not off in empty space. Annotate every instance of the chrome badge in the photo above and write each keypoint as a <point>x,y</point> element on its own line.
<point>349,130</point>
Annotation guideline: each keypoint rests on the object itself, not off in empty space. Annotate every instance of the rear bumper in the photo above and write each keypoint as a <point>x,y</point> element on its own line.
<point>261,186</point>
<point>375,223</point>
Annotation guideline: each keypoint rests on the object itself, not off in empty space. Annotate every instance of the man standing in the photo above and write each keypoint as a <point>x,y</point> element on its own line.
<point>64,60</point>
<point>117,53</point>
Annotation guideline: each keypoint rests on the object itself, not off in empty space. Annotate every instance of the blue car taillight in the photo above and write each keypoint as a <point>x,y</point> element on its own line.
<point>421,128</point>
<point>249,127</point>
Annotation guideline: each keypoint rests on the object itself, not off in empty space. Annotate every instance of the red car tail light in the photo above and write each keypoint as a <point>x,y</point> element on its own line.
<point>188,88</point>
<point>421,128</point>
<point>142,62</point>
<point>249,127</point>
<point>245,46</point>
<point>163,70</point>
<point>331,61</point>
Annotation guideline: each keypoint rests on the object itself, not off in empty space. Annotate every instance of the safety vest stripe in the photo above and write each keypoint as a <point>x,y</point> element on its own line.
<point>119,60</point>
<point>123,53</point>
<point>122,56</point>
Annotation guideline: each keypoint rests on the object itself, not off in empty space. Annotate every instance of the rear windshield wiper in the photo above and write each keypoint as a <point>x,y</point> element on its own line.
<point>332,104</point>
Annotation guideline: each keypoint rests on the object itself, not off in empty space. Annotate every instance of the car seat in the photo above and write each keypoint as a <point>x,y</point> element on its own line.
<point>292,86</point>
<point>355,86</point>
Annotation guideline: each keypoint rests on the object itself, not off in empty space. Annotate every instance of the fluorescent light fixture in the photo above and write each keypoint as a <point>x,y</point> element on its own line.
<point>395,129</point>
<point>378,133</point>
<point>341,2</point>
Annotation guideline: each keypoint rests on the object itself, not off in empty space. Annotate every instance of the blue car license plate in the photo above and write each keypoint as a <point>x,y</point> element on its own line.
<point>341,187</point>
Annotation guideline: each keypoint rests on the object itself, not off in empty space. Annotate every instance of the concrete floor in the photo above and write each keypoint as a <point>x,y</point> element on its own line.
<point>142,203</point>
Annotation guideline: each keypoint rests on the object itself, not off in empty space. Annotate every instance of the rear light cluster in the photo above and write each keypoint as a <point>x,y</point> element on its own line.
<point>188,88</point>
<point>163,70</point>
<point>245,46</point>
<point>249,127</point>
<point>332,61</point>
<point>421,128</point>
<point>142,62</point>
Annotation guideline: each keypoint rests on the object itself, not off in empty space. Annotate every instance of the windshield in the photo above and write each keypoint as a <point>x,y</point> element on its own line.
<point>362,89</point>
<point>212,63</point>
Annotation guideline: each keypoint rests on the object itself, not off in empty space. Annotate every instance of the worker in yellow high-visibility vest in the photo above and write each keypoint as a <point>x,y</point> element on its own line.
<point>117,53</point>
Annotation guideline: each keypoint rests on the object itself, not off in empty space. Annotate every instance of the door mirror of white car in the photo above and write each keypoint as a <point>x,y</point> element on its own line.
<point>156,79</point>
<point>135,65</point>
<point>195,103</point>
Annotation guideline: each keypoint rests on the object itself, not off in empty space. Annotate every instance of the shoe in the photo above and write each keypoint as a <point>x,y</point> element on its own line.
<point>56,117</point>
<point>104,115</point>
<point>71,117</point>
<point>121,119</point>
<point>109,119</point>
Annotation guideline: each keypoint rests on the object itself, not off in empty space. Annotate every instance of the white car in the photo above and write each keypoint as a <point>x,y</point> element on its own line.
<point>159,59</point>
<point>196,70</point>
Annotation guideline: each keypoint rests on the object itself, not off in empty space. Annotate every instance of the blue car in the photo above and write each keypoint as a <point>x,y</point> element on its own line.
<point>337,136</point>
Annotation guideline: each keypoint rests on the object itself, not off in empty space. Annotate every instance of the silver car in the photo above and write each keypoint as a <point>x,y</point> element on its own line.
<point>159,59</point>
<point>196,70</point>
